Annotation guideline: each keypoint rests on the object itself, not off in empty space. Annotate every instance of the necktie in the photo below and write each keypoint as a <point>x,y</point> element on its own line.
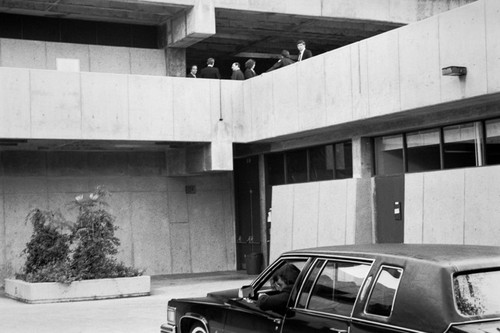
<point>300,56</point>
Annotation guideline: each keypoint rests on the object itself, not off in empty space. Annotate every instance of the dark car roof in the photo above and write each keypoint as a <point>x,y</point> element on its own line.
<point>438,254</point>
<point>425,296</point>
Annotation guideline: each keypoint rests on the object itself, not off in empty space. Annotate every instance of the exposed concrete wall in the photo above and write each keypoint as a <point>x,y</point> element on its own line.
<point>53,104</point>
<point>401,11</point>
<point>321,213</point>
<point>162,229</point>
<point>456,206</point>
<point>382,75</point>
<point>92,58</point>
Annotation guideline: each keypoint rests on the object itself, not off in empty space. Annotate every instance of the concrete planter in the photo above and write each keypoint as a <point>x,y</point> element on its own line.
<point>51,292</point>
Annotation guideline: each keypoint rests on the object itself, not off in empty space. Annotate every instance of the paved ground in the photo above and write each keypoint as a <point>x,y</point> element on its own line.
<point>137,314</point>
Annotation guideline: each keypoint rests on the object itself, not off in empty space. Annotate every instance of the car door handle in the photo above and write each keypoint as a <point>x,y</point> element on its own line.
<point>336,330</point>
<point>277,321</point>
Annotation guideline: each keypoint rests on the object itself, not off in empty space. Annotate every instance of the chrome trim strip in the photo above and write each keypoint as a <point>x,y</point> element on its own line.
<point>476,321</point>
<point>331,255</point>
<point>376,323</point>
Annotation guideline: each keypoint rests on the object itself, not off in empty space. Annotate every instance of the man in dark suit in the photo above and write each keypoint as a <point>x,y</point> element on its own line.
<point>284,61</point>
<point>303,52</point>
<point>237,73</point>
<point>250,71</point>
<point>210,72</point>
<point>192,73</point>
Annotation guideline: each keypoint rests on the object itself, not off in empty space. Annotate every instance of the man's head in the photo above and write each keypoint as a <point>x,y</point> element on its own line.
<point>235,66</point>
<point>210,61</point>
<point>301,45</point>
<point>250,64</point>
<point>194,69</point>
<point>286,276</point>
<point>285,54</point>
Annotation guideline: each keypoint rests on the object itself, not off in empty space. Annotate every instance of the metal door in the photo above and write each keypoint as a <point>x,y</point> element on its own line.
<point>389,208</point>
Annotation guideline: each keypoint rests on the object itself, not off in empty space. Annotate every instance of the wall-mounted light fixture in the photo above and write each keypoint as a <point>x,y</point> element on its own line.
<point>454,71</point>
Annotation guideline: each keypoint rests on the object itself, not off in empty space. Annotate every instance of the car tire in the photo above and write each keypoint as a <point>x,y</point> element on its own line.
<point>197,328</point>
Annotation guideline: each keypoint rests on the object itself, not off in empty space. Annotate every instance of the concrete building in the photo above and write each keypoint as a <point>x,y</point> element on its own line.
<point>370,140</point>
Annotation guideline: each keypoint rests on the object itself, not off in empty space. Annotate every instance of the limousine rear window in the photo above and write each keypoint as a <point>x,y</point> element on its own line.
<point>477,293</point>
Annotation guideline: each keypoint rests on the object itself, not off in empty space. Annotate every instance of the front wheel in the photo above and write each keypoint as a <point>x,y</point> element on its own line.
<point>198,328</point>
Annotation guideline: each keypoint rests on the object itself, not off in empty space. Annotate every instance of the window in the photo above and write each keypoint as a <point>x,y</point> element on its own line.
<point>389,155</point>
<point>383,293</point>
<point>477,293</point>
<point>423,152</point>
<point>321,163</point>
<point>268,283</point>
<point>493,142</point>
<point>296,166</point>
<point>463,146</point>
<point>343,160</point>
<point>335,288</point>
<point>275,169</point>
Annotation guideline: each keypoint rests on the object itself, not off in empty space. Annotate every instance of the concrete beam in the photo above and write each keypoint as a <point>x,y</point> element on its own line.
<point>192,26</point>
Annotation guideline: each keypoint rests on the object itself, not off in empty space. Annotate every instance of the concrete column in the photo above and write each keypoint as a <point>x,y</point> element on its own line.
<point>362,158</point>
<point>175,59</point>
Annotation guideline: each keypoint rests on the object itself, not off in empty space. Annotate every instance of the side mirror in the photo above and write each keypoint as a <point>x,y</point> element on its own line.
<point>246,292</point>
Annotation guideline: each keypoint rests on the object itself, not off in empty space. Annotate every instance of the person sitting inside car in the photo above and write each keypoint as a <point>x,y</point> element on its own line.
<point>284,280</point>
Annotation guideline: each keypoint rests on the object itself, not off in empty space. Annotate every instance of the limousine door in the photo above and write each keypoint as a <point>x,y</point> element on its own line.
<point>327,298</point>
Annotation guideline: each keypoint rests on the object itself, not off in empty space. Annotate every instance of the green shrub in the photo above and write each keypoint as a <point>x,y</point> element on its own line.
<point>63,252</point>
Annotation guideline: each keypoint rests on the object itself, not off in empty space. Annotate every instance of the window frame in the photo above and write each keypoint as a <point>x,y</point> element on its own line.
<point>374,284</point>
<point>357,261</point>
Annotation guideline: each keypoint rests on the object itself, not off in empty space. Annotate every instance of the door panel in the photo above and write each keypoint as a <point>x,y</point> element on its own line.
<point>389,201</point>
<point>299,321</point>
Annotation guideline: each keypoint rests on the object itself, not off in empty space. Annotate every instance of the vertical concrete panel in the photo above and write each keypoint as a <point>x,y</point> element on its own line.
<point>285,111</point>
<point>444,207</point>
<point>305,215</point>
<point>332,212</point>
<point>383,74</point>
<point>151,108</point>
<point>25,185</point>
<point>230,221</point>
<point>282,220</point>
<point>228,108</point>
<point>419,64</point>
<point>207,231</point>
<point>492,10</point>
<point>68,51</point>
<point>192,115</point>
<point>15,103</point>
<point>104,106</point>
<point>312,106</point>
<point>361,9</point>
<point>350,227</point>
<point>180,248</point>
<point>147,62</point>
<point>120,206</point>
<point>55,105</point>
<point>403,11</point>
<point>462,42</point>
<point>68,164</point>
<point>17,231</point>
<point>150,229</point>
<point>364,211</point>
<point>23,54</point>
<point>338,86</point>
<point>262,105</point>
<point>413,209</point>
<point>4,269</point>
<point>482,188</point>
<point>236,107</point>
<point>359,80</point>
<point>109,59</point>
<point>177,207</point>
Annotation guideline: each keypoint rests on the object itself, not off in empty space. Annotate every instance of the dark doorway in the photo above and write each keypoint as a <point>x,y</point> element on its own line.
<point>247,198</point>
<point>389,202</point>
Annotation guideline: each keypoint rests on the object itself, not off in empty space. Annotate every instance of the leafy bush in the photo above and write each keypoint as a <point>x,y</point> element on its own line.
<point>63,252</point>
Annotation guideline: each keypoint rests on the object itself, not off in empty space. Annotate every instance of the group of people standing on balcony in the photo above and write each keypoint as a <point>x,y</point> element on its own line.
<point>212,72</point>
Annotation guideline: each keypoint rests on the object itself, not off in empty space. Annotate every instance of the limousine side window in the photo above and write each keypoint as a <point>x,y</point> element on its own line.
<point>336,287</point>
<point>383,293</point>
